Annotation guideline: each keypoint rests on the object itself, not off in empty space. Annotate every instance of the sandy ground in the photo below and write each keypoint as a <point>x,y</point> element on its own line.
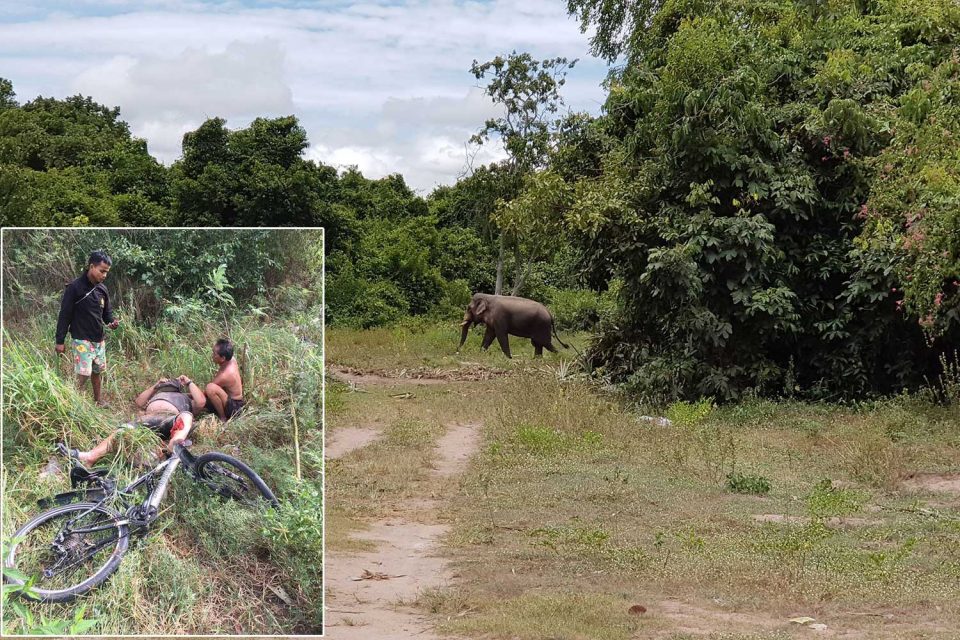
<point>369,594</point>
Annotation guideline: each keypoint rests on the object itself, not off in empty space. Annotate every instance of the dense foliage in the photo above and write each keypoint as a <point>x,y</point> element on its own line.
<point>155,272</point>
<point>749,144</point>
<point>74,163</point>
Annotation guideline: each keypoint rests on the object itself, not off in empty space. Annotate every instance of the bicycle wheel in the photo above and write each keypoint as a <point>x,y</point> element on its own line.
<point>232,479</point>
<point>64,560</point>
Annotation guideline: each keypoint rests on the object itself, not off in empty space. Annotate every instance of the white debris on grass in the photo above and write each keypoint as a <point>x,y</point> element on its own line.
<point>657,420</point>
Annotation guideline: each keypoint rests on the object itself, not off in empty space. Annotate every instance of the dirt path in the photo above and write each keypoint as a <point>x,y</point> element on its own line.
<point>471,372</point>
<point>343,441</point>
<point>369,594</point>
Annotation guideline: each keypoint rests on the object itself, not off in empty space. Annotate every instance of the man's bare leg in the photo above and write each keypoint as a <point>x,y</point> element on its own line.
<point>90,457</point>
<point>182,429</point>
<point>95,379</point>
<point>217,397</point>
<point>82,382</point>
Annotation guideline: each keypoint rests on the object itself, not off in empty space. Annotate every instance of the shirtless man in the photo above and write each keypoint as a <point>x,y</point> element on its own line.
<point>166,408</point>
<point>225,392</point>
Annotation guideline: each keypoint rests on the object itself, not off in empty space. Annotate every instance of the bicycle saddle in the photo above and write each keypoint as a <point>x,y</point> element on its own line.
<point>79,474</point>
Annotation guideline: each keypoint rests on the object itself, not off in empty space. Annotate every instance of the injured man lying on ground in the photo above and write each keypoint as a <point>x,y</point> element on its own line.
<point>166,408</point>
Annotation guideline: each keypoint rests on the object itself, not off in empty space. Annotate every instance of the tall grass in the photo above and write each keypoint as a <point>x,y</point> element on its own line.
<point>41,405</point>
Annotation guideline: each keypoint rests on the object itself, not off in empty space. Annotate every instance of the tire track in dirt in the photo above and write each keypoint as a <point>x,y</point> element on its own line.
<point>369,594</point>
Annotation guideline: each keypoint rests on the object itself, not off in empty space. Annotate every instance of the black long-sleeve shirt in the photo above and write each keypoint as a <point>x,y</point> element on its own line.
<point>84,310</point>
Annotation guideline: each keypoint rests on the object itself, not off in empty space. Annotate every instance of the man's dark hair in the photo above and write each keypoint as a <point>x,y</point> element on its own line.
<point>99,256</point>
<point>224,348</point>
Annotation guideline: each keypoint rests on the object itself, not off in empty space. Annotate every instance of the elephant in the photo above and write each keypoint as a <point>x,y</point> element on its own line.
<point>503,315</point>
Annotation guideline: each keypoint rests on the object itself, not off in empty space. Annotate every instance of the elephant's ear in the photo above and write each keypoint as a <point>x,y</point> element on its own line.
<point>481,308</point>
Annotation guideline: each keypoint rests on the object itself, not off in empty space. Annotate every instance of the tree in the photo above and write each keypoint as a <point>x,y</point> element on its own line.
<point>528,91</point>
<point>249,177</point>
<point>74,162</point>
<point>617,24</point>
<point>912,217</point>
<point>534,220</point>
<point>7,95</point>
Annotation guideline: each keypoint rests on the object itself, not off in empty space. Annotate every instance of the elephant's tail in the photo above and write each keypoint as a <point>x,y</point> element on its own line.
<point>553,325</point>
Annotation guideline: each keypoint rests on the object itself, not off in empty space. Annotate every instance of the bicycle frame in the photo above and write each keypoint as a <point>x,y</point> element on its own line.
<point>149,506</point>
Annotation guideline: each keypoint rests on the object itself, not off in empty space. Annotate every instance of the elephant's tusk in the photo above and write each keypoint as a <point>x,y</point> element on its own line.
<point>464,323</point>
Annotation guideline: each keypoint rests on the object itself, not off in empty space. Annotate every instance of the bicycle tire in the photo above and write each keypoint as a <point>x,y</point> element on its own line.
<point>210,470</point>
<point>28,547</point>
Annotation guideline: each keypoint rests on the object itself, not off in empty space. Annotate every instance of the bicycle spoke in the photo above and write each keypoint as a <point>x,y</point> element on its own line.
<point>230,485</point>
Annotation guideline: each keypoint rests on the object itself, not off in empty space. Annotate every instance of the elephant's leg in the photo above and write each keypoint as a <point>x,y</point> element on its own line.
<point>537,349</point>
<point>488,337</point>
<point>549,346</point>
<point>504,342</point>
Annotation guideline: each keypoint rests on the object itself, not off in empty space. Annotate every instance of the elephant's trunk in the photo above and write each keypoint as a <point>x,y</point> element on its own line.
<point>463,333</point>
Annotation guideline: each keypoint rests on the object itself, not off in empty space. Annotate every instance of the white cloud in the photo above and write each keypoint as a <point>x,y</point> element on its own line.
<point>164,97</point>
<point>469,111</point>
<point>246,77</point>
<point>372,161</point>
<point>382,85</point>
<point>426,136</point>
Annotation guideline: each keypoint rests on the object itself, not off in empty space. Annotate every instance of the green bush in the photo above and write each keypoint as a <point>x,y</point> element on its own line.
<point>684,414</point>
<point>742,483</point>
<point>772,176</point>
<point>355,302</point>
<point>580,309</point>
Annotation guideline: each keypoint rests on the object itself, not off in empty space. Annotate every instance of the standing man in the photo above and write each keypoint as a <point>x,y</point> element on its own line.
<point>225,392</point>
<point>84,311</point>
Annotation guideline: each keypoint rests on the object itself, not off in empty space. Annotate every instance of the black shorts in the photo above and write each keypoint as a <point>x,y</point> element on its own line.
<point>160,425</point>
<point>233,407</point>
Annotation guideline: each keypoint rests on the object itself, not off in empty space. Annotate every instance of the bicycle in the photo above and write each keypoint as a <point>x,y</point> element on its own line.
<point>92,534</point>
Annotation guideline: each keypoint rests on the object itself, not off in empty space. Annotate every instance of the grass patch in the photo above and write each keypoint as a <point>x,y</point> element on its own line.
<point>434,345</point>
<point>552,615</point>
<point>825,500</point>
<point>372,480</point>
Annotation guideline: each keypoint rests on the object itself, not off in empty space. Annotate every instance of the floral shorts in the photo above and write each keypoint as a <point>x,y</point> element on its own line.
<point>89,357</point>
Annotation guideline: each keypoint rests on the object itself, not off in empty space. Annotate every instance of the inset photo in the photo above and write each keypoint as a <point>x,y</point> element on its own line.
<point>162,431</point>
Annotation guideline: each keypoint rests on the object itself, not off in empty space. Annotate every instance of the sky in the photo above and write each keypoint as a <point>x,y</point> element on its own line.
<point>382,85</point>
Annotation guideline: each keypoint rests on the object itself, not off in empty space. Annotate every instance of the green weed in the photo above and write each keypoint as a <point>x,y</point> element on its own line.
<point>294,536</point>
<point>825,500</point>
<point>689,414</point>
<point>537,439</point>
<point>536,615</point>
<point>742,483</point>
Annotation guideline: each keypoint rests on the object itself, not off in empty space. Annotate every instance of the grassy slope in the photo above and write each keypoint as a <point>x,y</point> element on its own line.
<point>575,510</point>
<point>208,566</point>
